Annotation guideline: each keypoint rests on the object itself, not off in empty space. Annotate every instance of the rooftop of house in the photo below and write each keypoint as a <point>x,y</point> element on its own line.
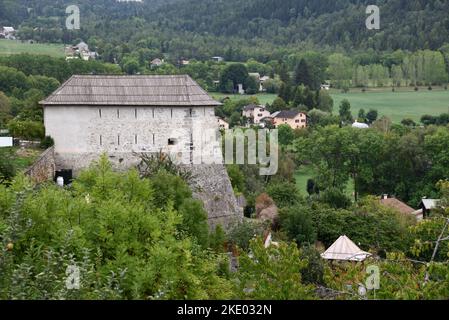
<point>251,107</point>
<point>113,90</point>
<point>398,205</point>
<point>429,204</point>
<point>287,114</point>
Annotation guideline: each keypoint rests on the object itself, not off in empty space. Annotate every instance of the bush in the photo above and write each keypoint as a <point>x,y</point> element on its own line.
<point>335,198</point>
<point>314,273</point>
<point>26,129</point>
<point>297,222</point>
<point>7,170</point>
<point>283,193</point>
<point>47,142</point>
<point>194,221</point>
<point>243,232</point>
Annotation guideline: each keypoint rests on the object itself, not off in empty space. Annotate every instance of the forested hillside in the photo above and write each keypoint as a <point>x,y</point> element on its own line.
<point>404,24</point>
<point>199,28</point>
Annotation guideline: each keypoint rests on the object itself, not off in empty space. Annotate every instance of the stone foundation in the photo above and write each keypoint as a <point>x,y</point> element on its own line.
<point>213,187</point>
<point>43,169</point>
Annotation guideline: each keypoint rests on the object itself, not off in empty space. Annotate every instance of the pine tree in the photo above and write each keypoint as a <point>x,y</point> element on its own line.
<point>302,74</point>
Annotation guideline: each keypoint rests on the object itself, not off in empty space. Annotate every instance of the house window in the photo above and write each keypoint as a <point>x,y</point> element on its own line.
<point>191,112</point>
<point>172,142</point>
<point>118,113</point>
<point>135,139</point>
<point>171,112</point>
<point>118,139</point>
<point>99,112</point>
<point>153,138</point>
<point>135,113</point>
<point>153,112</point>
<point>303,121</point>
<point>296,121</point>
<point>260,115</point>
<point>101,140</point>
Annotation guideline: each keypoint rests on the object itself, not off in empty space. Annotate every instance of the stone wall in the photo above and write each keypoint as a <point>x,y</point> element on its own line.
<point>82,134</point>
<point>44,168</point>
<point>213,187</point>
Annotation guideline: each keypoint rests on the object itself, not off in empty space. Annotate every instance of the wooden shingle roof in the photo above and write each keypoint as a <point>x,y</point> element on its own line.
<point>176,90</point>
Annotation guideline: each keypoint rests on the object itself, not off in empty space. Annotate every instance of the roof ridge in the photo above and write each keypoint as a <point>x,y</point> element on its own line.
<point>135,89</point>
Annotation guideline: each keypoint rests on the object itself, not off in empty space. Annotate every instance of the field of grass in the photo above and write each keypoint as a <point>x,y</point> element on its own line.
<point>263,98</point>
<point>9,47</point>
<point>397,105</point>
<point>304,173</point>
<point>404,103</point>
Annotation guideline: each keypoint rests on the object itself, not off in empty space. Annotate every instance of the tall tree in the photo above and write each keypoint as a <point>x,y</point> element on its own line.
<point>302,75</point>
<point>345,112</point>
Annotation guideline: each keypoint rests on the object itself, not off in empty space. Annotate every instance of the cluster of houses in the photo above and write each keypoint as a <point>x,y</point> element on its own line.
<point>259,115</point>
<point>425,207</point>
<point>7,33</point>
<point>80,51</point>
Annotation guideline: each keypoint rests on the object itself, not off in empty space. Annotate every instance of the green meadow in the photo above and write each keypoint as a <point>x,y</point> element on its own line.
<point>9,47</point>
<point>397,105</point>
<point>404,103</point>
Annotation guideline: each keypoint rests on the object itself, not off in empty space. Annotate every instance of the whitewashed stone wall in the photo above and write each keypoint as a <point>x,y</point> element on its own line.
<point>82,134</point>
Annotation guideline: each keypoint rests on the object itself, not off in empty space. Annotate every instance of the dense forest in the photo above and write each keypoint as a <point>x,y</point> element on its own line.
<point>264,29</point>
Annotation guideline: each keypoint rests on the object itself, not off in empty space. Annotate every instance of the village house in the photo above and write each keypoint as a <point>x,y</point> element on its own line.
<point>156,63</point>
<point>7,33</point>
<point>400,206</point>
<point>255,113</point>
<point>184,62</point>
<point>360,125</point>
<point>292,118</point>
<point>80,51</point>
<point>428,205</point>
<point>218,59</point>
<point>222,125</point>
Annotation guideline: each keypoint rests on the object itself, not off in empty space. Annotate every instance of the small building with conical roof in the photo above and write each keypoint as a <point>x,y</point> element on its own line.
<point>345,250</point>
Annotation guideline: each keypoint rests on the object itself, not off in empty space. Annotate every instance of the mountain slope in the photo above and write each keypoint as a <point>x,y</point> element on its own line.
<point>214,26</point>
<point>404,24</point>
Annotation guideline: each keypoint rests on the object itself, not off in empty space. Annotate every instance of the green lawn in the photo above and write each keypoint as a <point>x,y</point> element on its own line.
<point>304,173</point>
<point>397,105</point>
<point>9,47</point>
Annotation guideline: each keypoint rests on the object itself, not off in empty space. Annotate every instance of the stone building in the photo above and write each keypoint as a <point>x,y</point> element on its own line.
<point>124,116</point>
